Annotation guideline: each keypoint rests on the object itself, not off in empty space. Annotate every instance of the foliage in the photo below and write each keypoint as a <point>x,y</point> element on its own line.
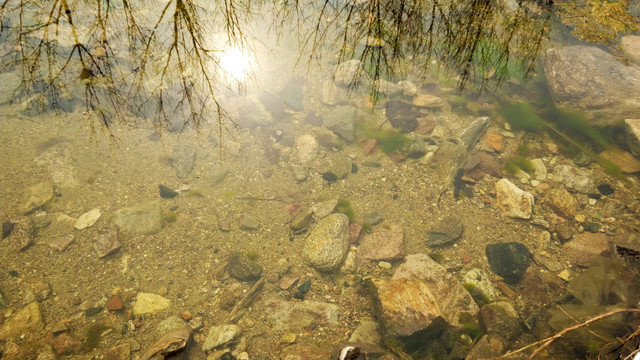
<point>516,163</point>
<point>520,116</point>
<point>345,207</point>
<point>598,21</point>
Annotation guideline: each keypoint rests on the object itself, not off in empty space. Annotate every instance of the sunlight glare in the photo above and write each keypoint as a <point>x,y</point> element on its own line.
<point>236,64</point>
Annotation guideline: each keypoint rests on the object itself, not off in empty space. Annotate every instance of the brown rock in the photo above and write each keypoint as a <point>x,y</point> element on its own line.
<point>622,159</point>
<point>26,320</point>
<point>428,101</point>
<point>288,281</point>
<point>355,230</point>
<point>115,303</point>
<point>500,318</point>
<point>64,344</point>
<point>426,124</point>
<point>369,147</point>
<point>488,347</point>
<point>562,202</point>
<point>493,140</point>
<point>584,247</point>
<point>506,290</point>
<point>120,352</point>
<point>383,244</point>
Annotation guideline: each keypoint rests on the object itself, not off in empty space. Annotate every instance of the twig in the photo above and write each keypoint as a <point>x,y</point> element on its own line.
<point>546,342</point>
<point>236,313</point>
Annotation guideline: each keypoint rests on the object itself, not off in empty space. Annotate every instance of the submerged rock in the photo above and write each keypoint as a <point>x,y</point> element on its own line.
<point>183,159</point>
<point>446,231</point>
<point>27,320</point>
<point>147,303</point>
<point>36,195</point>
<point>143,218</point>
<point>106,243</point>
<point>513,201</point>
<point>327,244</point>
<point>242,268</point>
<point>509,260</point>
<point>574,179</point>
<point>220,335</point>
<point>295,316</point>
<point>383,244</point>
<point>348,73</point>
<point>340,120</point>
<point>170,343</point>
<point>562,202</point>
<point>22,234</point>
<point>583,247</point>
<point>87,219</point>
<point>632,128</point>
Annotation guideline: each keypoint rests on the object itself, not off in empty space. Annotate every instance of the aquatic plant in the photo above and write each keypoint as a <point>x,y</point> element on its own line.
<point>252,254</point>
<point>345,207</point>
<point>516,163</point>
<point>170,217</point>
<point>389,141</point>
<point>520,116</point>
<point>470,326</point>
<point>94,335</point>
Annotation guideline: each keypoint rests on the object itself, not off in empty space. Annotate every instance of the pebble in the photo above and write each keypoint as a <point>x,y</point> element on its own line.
<point>385,265</point>
<point>564,275</point>
<point>248,222</point>
<point>147,303</point>
<point>220,335</point>
<point>60,243</point>
<point>166,192</point>
<point>592,201</point>
<point>115,303</point>
<point>289,338</point>
<point>87,219</point>
<point>106,243</point>
<point>509,260</point>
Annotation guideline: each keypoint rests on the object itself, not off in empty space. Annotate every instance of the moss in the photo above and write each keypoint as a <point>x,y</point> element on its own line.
<point>345,207</point>
<point>194,193</point>
<point>520,116</point>
<point>518,163</point>
<point>94,335</point>
<point>389,141</point>
<point>477,295</point>
<point>252,254</point>
<point>437,257</point>
<point>470,326</point>
<point>170,217</point>
<point>366,227</point>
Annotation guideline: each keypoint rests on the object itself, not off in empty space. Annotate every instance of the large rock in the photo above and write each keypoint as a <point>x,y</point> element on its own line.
<point>183,159</point>
<point>513,201</point>
<point>583,247</point>
<point>340,121</point>
<point>420,294</point>
<point>632,129</point>
<point>27,320</point>
<point>143,218</point>
<point>327,244</point>
<point>242,268</point>
<point>295,316</point>
<point>348,73</point>
<point>509,260</point>
<point>574,179</point>
<point>220,335</point>
<point>383,244</point>
<point>593,81</point>
<point>630,44</point>
<point>306,147</point>
<point>36,196</point>
<point>147,303</point>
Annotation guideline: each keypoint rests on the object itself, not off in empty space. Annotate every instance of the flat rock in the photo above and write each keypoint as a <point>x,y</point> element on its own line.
<point>87,219</point>
<point>306,147</point>
<point>295,316</point>
<point>242,268</point>
<point>27,320</point>
<point>630,45</point>
<point>481,282</point>
<point>36,195</point>
<point>22,234</point>
<point>428,101</point>
<point>106,242</point>
<point>302,220</point>
<point>143,218</point>
<point>622,159</point>
<point>327,244</point>
<point>445,231</point>
<point>489,347</point>
<point>383,244</point>
<point>501,318</point>
<point>592,81</point>
<point>61,243</point>
<point>419,294</point>
<point>386,88</point>
<point>248,222</point>
<point>182,160</point>
<point>574,179</point>
<point>147,303</point>
<point>513,201</point>
<point>562,202</point>
<point>220,335</point>
<point>340,120</point>
<point>367,332</point>
<point>583,247</point>
<point>509,260</point>
<point>348,73</point>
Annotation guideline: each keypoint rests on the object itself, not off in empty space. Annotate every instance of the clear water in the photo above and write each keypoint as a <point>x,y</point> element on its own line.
<point>106,104</point>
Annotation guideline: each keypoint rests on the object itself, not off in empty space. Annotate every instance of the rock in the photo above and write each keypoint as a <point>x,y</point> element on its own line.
<point>106,243</point>
<point>114,303</point>
<point>27,320</point>
<point>340,120</point>
<point>333,94</point>
<point>242,268</point>
<point>248,222</point>
<point>500,318</point>
<point>11,81</point>
<point>348,73</point>
<point>170,343</point>
<point>220,335</point>
<point>302,220</point>
<point>143,218</point>
<point>118,352</point>
<point>327,244</point>
<point>622,159</point>
<point>493,140</point>
<point>7,227</point>
<point>545,260</point>
<point>313,118</point>
<point>293,96</point>
<point>482,283</point>
<point>367,332</point>
<point>288,280</point>
<point>252,113</point>
<point>383,244</point>
<point>183,159</point>
<point>574,179</point>
<point>306,147</point>
<point>509,260</point>
<point>583,247</point>
<point>386,88</point>
<point>294,316</point>
<point>420,294</point>
<point>445,231</point>
<point>408,88</point>
<point>166,192</point>
<point>64,344</point>
<point>305,352</point>
<point>562,202</point>
<point>630,45</point>
<point>539,169</point>
<point>87,219</point>
<point>513,201</point>
<point>60,243</point>
<point>428,101</point>
<point>36,196</point>
<point>147,303</point>
<point>22,234</point>
<point>489,347</point>
<point>592,81</point>
<point>402,115</point>
<point>632,135</point>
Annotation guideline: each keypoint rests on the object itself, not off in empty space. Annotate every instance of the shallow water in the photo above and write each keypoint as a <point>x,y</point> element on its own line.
<point>279,162</point>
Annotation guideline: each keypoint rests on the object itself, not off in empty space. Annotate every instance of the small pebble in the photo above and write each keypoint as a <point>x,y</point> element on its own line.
<point>592,201</point>
<point>535,183</point>
<point>385,265</point>
<point>564,275</point>
<point>580,218</point>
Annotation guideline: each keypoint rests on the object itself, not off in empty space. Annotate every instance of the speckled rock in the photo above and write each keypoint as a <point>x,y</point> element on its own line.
<point>428,101</point>
<point>328,242</point>
<point>242,268</point>
<point>27,320</point>
<point>182,160</point>
<point>561,201</point>
<point>482,283</point>
<point>348,72</point>
<point>383,244</point>
<point>306,147</point>
<point>22,234</point>
<point>294,316</point>
<point>513,201</point>
<point>106,242</point>
<point>36,195</point>
<point>501,318</point>
<point>574,179</point>
<point>220,335</point>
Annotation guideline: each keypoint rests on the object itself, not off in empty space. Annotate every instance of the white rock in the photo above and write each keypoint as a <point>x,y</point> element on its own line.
<point>307,148</point>
<point>87,219</point>
<point>147,303</point>
<point>540,169</point>
<point>220,335</point>
<point>513,201</point>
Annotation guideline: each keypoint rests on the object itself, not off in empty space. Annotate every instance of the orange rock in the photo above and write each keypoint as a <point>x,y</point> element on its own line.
<point>115,303</point>
<point>369,147</point>
<point>493,140</point>
<point>466,258</point>
<point>506,290</point>
<point>186,315</point>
